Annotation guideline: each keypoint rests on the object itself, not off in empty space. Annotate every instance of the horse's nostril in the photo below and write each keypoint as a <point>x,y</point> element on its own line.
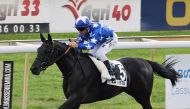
<point>33,69</point>
<point>43,65</point>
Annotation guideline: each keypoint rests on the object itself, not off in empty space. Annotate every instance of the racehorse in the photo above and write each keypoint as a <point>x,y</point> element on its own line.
<point>82,80</point>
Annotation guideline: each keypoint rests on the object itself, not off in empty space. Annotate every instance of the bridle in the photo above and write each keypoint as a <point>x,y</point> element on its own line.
<point>45,64</point>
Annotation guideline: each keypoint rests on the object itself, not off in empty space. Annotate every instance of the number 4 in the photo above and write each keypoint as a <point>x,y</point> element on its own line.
<point>117,14</point>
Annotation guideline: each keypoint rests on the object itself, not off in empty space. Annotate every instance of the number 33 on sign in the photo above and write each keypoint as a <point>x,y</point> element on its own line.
<point>27,4</point>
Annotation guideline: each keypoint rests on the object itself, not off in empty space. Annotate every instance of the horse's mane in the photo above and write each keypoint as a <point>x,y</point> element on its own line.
<point>58,42</point>
<point>78,52</point>
<point>81,53</point>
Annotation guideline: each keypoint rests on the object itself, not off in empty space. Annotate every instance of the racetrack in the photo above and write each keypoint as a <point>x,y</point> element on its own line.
<point>45,91</point>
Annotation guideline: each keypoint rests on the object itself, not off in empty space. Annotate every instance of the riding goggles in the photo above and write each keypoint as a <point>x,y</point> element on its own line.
<point>81,28</point>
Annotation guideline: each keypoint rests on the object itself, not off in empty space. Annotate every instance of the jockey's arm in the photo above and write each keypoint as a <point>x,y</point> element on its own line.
<point>87,46</point>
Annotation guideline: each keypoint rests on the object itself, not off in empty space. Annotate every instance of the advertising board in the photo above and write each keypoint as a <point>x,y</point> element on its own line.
<point>24,16</point>
<point>56,16</point>
<point>30,16</point>
<point>178,97</point>
<point>121,15</point>
<point>6,70</point>
<point>165,15</point>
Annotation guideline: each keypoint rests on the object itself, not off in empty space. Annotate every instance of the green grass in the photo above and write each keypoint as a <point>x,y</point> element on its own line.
<point>45,91</point>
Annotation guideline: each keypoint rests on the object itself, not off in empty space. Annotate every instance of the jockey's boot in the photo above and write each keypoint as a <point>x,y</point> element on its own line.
<point>107,63</point>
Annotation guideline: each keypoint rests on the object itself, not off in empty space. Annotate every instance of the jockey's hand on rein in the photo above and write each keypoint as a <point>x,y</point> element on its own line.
<point>73,44</point>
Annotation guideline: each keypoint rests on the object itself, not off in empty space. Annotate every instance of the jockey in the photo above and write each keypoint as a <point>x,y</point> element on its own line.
<point>95,37</point>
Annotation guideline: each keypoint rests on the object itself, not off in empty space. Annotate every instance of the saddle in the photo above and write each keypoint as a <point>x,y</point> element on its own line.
<point>119,78</point>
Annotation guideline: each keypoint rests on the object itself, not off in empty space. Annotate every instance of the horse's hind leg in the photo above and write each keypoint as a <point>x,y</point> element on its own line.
<point>144,101</point>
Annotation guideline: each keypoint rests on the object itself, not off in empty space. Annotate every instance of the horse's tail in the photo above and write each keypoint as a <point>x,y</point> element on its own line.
<point>166,70</point>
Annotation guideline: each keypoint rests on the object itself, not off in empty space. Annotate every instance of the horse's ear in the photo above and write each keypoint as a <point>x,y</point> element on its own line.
<point>43,39</point>
<point>49,38</point>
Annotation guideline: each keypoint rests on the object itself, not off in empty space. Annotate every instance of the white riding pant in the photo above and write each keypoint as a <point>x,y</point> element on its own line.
<point>100,51</point>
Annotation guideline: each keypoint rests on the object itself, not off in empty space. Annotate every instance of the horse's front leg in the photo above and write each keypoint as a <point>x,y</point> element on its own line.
<point>73,102</point>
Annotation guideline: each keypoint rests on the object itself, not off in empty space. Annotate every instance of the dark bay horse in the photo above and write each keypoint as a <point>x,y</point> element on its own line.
<point>82,80</point>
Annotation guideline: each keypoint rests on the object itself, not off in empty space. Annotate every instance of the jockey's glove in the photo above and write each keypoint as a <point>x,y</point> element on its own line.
<point>73,44</point>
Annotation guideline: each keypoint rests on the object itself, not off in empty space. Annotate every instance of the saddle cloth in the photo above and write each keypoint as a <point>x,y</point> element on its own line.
<point>119,78</point>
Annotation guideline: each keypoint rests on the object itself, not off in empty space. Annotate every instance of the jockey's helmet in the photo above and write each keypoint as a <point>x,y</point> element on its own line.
<point>82,23</point>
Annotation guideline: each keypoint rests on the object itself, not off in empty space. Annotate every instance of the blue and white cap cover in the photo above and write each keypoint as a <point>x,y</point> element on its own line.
<point>82,21</point>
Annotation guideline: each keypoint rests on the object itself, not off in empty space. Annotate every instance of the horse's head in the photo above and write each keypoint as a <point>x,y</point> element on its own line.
<point>47,54</point>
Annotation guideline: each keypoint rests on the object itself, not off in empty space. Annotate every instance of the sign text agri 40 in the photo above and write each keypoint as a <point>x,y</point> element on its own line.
<point>97,14</point>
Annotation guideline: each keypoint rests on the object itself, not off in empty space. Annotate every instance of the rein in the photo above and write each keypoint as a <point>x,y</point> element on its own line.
<point>67,50</point>
<point>44,65</point>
